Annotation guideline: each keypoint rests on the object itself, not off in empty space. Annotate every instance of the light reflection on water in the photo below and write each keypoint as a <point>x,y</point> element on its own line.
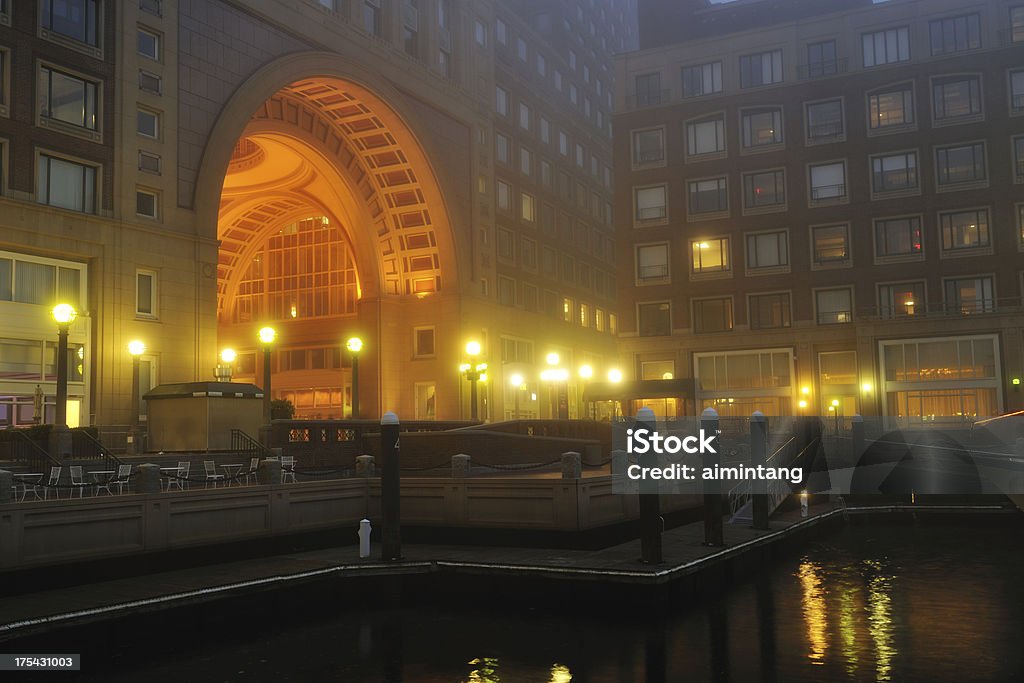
<point>872,602</point>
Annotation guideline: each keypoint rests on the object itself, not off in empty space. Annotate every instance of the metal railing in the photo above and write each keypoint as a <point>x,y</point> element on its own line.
<point>648,99</point>
<point>246,447</point>
<point>85,447</point>
<point>826,131</point>
<point>943,309</point>
<point>27,452</point>
<point>822,192</point>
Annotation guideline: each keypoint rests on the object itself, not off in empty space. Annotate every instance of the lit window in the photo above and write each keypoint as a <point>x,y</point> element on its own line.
<point>834,306</point>
<point>969,295</point>
<point>830,245</point>
<point>898,237</point>
<point>891,108</point>
<point>528,209</point>
<point>762,127</point>
<point>710,255</point>
<point>901,300</point>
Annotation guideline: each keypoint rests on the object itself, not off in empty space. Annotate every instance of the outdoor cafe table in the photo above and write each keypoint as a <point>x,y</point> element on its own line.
<point>102,478</point>
<point>231,471</point>
<point>26,476</point>
<point>169,469</point>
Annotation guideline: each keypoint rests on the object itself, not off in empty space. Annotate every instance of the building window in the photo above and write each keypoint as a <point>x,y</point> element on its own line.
<point>563,143</point>
<point>830,245</point>
<point>502,148</point>
<point>154,7</point>
<point>708,196</point>
<point>703,79</point>
<point>504,194</point>
<point>521,49</point>
<point>579,155</point>
<point>150,83</point>
<point>1020,224</point>
<point>146,204</point>
<point>768,250</point>
<point>654,319</point>
<point>762,127</point>
<point>650,203</point>
<point>410,27</point>
<point>764,189</point>
<point>898,237</point>
<point>479,33</point>
<point>761,69</point>
<point>542,66</point>
<point>505,245</point>
<point>886,47</point>
<point>825,120</point>
<point>148,123</point>
<point>528,208</point>
<point>1018,158</point>
<point>710,255</point>
<point>964,230</point>
<point>955,34</point>
<point>66,184</point>
<point>706,137</point>
<point>525,161</point>
<point>821,59</point>
<point>501,31</point>
<point>67,98</point>
<point>75,19</point>
<point>584,315</point>
<point>901,300</point>
<point>149,162</point>
<point>524,116</point>
<point>828,181</point>
<point>501,100</point>
<point>961,164</point>
<point>712,315</point>
<point>423,342</point>
<point>145,293</point>
<point>1017,91</point>
<point>4,80</point>
<point>956,97</point>
<point>651,263</point>
<point>891,108</point>
<point>148,44</point>
<point>506,291</point>
<point>648,146</point>
<point>371,17</point>
<point>894,172</point>
<point>1017,24</point>
<point>969,295</point>
<point>545,174</point>
<point>769,311</point>
<point>834,306</point>
<point>31,280</point>
<point>648,89</point>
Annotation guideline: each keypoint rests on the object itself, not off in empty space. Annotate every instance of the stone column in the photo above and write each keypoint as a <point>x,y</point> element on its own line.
<point>6,487</point>
<point>148,478</point>
<point>269,472</point>
<point>365,466</point>
<point>461,465</point>
<point>571,465</point>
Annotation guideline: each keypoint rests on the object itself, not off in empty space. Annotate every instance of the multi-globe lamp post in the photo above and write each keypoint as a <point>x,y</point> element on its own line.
<point>474,372</point>
<point>615,377</point>
<point>555,376</point>
<point>266,335</point>
<point>518,384</point>
<point>136,348</point>
<point>354,346</point>
<point>225,368</point>
<point>60,436</point>
<point>586,372</point>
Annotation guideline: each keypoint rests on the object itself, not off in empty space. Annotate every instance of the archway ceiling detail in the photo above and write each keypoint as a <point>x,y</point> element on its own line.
<point>360,144</point>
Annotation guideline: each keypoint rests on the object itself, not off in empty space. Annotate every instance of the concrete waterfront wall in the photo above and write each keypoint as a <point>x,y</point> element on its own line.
<point>39,533</point>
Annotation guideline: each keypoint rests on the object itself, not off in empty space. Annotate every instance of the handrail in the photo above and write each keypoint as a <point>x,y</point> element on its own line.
<point>95,446</point>
<point>243,444</point>
<point>24,450</point>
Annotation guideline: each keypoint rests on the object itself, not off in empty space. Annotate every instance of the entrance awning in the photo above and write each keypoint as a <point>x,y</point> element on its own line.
<point>646,388</point>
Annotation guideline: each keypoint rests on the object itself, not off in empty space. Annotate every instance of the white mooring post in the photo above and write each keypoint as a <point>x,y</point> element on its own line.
<point>364,538</point>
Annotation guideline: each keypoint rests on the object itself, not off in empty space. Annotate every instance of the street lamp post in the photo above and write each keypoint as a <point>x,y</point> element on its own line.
<point>266,336</point>
<point>224,370</point>
<point>615,377</point>
<point>354,346</point>
<point>473,371</point>
<point>135,348</point>
<point>60,436</point>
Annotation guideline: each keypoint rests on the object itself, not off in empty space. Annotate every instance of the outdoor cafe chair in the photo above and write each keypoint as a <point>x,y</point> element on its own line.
<point>253,471</point>
<point>287,468</point>
<point>76,479</point>
<point>52,482</point>
<point>124,473</point>
<point>211,473</point>
<point>180,476</point>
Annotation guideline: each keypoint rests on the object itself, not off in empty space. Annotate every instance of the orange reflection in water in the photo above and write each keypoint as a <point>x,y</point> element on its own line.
<point>814,611</point>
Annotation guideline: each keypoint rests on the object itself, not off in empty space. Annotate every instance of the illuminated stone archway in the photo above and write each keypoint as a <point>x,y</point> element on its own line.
<point>326,158</point>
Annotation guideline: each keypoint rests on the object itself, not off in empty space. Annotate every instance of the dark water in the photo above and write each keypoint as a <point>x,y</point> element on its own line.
<point>871,602</point>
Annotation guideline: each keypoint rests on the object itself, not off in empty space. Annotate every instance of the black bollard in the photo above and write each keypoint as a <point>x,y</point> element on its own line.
<point>650,500</point>
<point>713,534</point>
<point>857,441</point>
<point>390,490</point>
<point>758,455</point>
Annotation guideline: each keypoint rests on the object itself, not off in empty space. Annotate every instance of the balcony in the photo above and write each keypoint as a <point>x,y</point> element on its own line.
<point>944,309</point>
<point>826,131</point>
<point>654,272</point>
